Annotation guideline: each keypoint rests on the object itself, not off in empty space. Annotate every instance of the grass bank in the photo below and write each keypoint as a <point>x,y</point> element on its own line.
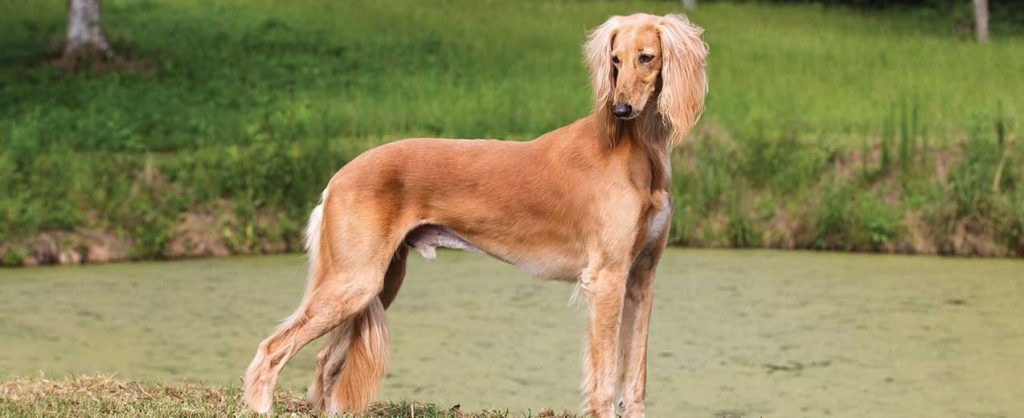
<point>902,193</point>
<point>825,128</point>
<point>104,396</point>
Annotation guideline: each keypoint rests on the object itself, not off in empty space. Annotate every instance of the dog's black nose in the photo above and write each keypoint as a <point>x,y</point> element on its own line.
<point>622,110</point>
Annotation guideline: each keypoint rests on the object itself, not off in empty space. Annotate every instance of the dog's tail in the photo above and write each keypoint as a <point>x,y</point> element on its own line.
<point>359,360</point>
<point>365,364</point>
<point>314,233</point>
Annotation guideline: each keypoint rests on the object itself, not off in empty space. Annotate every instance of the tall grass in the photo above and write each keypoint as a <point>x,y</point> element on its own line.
<point>899,195</point>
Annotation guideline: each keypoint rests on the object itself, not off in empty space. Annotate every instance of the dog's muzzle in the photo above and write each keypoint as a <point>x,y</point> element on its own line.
<point>622,110</point>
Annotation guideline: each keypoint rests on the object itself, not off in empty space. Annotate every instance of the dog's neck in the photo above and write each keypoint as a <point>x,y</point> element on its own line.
<point>649,131</point>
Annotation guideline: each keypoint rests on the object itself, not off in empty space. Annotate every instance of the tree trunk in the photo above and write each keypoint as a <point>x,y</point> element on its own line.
<point>689,4</point>
<point>981,19</point>
<point>85,39</point>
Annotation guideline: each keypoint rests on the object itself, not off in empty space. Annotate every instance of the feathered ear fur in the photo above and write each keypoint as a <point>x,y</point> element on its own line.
<point>598,52</point>
<point>683,80</point>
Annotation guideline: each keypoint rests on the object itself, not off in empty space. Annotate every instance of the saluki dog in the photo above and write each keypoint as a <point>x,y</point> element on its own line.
<point>588,202</point>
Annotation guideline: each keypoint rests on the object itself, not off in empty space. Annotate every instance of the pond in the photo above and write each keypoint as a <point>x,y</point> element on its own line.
<point>735,333</point>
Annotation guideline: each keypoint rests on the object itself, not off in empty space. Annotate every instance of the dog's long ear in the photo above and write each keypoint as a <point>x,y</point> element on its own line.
<point>683,79</point>
<point>598,52</point>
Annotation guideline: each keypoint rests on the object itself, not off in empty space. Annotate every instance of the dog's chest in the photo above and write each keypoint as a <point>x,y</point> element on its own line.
<point>659,221</point>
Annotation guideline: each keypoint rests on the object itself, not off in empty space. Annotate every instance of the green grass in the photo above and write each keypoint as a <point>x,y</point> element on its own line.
<point>244,109</point>
<point>242,72</point>
<point>898,195</point>
<point>104,396</point>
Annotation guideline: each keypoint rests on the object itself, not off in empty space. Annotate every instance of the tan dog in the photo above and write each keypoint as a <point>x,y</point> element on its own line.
<point>587,202</point>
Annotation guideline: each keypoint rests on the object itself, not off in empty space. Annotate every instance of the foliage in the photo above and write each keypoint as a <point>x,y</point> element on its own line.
<point>900,195</point>
<point>1004,15</point>
<point>228,73</point>
<point>825,128</point>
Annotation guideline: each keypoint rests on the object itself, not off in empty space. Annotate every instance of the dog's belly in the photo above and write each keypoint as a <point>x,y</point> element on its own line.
<point>546,264</point>
<point>426,238</point>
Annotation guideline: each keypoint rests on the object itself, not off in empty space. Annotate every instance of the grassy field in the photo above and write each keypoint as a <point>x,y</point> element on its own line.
<point>104,396</point>
<point>826,128</point>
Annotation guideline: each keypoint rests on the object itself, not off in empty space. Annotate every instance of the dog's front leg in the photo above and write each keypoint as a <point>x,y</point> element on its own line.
<point>636,317</point>
<point>604,291</point>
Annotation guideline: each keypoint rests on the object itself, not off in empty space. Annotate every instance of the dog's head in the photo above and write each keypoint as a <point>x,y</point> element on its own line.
<point>639,59</point>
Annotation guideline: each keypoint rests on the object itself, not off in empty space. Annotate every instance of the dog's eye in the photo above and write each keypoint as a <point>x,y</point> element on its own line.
<point>645,58</point>
<point>615,59</point>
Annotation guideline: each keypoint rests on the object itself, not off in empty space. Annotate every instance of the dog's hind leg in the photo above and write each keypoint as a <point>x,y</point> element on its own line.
<point>328,307</point>
<point>395,276</point>
<point>332,356</point>
<point>347,278</point>
<point>328,364</point>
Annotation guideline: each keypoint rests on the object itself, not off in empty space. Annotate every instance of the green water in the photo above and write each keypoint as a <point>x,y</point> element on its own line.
<point>735,333</point>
